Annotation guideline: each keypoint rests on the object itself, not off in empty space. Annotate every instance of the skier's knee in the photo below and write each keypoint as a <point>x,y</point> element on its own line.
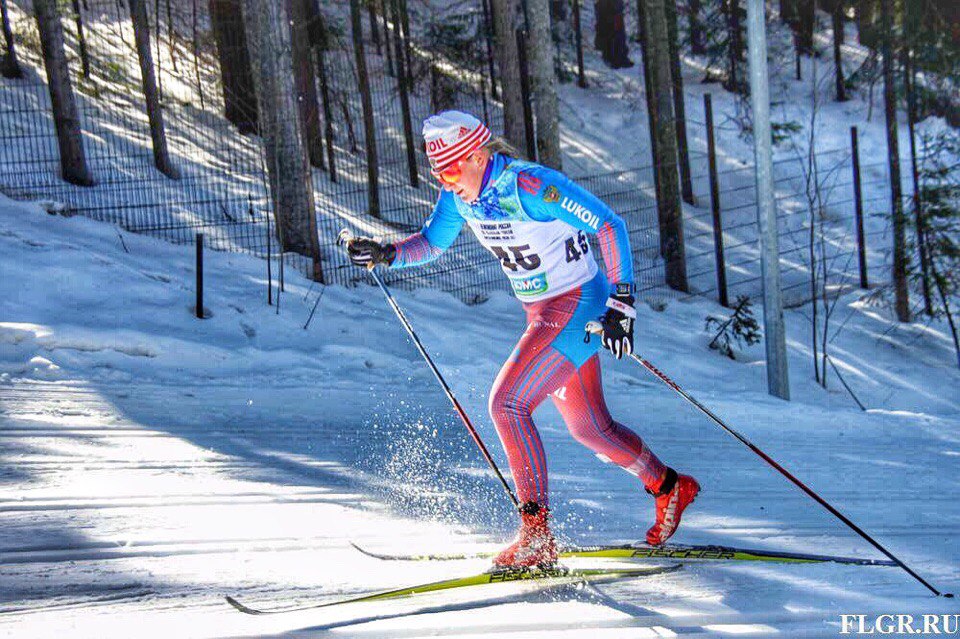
<point>505,401</point>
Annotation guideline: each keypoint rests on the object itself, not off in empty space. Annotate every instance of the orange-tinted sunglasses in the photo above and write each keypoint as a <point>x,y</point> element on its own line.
<point>453,173</point>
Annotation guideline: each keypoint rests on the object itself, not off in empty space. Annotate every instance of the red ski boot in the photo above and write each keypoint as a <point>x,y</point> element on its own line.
<point>676,492</point>
<point>534,546</point>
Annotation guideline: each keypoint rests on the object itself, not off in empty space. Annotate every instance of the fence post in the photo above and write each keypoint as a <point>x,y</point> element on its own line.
<point>199,275</point>
<point>858,204</point>
<point>715,203</point>
<point>269,261</point>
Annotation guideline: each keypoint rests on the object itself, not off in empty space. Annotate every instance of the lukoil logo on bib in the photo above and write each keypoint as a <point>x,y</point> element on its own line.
<point>533,285</point>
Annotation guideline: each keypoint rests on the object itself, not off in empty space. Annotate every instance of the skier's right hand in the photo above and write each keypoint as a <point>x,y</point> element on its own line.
<point>366,251</point>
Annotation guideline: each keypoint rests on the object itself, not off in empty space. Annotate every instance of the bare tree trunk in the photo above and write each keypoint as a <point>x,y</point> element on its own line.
<point>318,39</point>
<point>698,37</point>
<point>648,89</point>
<point>239,91</point>
<point>788,12</point>
<point>81,40</point>
<point>665,163</point>
<point>374,31</point>
<point>806,20</point>
<point>195,45</point>
<point>404,82</point>
<point>867,33</point>
<point>405,23</point>
<point>369,126</point>
<point>901,292</point>
<point>11,67</point>
<point>488,37</point>
<point>837,16</point>
<point>171,44</point>
<point>73,161</point>
<point>288,168</point>
<point>679,105</point>
<point>544,85</point>
<point>159,57</point>
<point>141,33</point>
<point>306,81</point>
<point>386,36</point>
<point>909,85</point>
<point>735,47</point>
<point>508,60</point>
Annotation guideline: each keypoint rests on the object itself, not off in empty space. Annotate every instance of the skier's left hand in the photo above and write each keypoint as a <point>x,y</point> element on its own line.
<point>617,325</point>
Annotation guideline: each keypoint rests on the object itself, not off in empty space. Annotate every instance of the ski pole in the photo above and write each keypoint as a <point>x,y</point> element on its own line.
<point>596,329</point>
<point>342,239</point>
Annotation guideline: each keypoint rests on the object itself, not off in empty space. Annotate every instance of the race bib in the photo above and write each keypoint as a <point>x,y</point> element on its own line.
<point>541,259</point>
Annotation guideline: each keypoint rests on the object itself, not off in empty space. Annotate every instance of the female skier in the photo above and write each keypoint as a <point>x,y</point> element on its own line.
<point>535,221</point>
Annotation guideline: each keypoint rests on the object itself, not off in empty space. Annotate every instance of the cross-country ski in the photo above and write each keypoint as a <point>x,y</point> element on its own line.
<point>644,551</point>
<point>546,577</point>
<point>391,319</point>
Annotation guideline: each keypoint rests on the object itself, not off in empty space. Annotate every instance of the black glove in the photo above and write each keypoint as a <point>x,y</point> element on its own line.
<point>364,251</point>
<point>617,324</point>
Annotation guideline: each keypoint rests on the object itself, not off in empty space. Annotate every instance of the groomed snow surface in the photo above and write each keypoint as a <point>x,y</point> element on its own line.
<point>153,462</point>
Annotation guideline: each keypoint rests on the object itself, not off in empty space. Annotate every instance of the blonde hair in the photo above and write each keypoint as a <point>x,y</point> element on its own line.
<point>499,144</point>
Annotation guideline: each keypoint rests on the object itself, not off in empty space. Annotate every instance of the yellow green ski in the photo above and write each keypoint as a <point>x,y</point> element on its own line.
<point>669,551</point>
<point>550,576</point>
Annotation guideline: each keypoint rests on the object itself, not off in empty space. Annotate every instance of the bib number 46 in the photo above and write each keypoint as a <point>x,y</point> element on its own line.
<point>516,259</point>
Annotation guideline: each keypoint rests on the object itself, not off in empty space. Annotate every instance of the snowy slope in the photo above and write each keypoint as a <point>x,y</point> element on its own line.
<point>152,462</point>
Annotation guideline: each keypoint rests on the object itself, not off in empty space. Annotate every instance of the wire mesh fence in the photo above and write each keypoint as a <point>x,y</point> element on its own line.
<point>222,188</point>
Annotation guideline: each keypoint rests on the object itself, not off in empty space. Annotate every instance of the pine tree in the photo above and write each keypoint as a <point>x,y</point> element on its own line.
<point>740,328</point>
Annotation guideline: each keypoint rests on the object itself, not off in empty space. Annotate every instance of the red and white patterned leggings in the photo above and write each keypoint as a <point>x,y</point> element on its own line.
<point>544,363</point>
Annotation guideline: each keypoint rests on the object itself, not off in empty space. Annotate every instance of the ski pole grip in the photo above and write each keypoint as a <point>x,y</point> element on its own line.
<point>344,237</point>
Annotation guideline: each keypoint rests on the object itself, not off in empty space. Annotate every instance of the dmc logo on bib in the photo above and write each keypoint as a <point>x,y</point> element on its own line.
<point>586,216</point>
<point>529,286</point>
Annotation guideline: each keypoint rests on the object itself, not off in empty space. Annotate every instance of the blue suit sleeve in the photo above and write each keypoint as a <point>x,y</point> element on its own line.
<point>550,195</point>
<point>437,235</point>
